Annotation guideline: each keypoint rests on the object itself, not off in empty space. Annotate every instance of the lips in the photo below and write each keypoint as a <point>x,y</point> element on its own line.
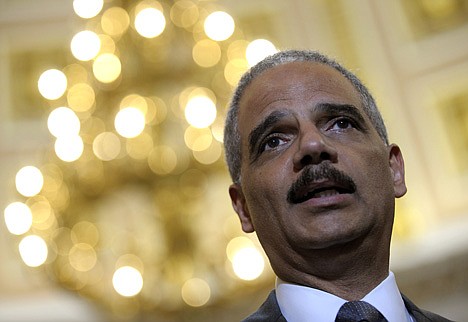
<point>320,181</point>
<point>322,190</point>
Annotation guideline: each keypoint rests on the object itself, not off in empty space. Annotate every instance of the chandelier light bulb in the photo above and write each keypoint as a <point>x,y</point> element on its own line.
<point>248,263</point>
<point>129,122</point>
<point>219,26</point>
<point>18,218</point>
<point>52,84</point>
<point>107,68</point>
<point>63,122</point>
<point>29,181</point>
<point>259,49</point>
<point>127,281</point>
<point>200,111</point>
<point>85,45</point>
<point>150,22</point>
<point>69,148</point>
<point>33,250</point>
<point>87,8</point>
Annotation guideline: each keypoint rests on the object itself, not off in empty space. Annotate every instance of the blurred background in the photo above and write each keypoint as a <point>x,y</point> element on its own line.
<point>114,188</point>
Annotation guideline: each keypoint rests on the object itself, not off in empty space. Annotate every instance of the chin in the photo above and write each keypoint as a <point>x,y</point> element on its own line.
<point>324,240</point>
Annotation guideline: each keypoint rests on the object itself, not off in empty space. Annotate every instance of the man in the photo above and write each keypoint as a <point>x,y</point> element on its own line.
<point>315,177</point>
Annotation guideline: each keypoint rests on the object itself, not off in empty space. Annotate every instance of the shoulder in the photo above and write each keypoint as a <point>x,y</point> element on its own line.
<point>422,315</point>
<point>269,311</point>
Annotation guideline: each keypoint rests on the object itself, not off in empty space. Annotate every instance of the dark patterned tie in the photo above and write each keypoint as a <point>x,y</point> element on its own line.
<point>359,311</point>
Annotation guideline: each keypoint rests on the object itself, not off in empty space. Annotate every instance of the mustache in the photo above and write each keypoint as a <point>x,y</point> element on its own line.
<point>321,172</point>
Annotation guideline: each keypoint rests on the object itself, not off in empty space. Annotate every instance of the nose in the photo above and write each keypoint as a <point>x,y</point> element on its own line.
<point>313,148</point>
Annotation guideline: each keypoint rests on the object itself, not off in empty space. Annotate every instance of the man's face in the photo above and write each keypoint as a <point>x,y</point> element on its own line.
<point>314,171</point>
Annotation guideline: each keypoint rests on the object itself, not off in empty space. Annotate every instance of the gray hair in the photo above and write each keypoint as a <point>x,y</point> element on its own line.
<point>232,140</point>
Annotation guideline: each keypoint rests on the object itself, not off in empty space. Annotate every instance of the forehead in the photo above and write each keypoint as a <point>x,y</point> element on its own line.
<point>302,82</point>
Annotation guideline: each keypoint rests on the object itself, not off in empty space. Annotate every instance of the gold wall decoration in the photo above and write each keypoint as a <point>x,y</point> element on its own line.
<point>428,17</point>
<point>454,112</point>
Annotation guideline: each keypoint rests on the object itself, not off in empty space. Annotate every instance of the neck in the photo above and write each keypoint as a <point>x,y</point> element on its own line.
<point>349,271</point>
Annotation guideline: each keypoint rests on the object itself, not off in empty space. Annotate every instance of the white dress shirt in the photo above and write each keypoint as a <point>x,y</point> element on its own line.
<point>301,304</point>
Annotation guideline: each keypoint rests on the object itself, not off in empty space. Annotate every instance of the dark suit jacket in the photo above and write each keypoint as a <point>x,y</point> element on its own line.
<point>270,312</point>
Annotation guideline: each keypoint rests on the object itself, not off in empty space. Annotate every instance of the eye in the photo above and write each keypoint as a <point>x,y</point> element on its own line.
<point>342,124</point>
<point>273,142</point>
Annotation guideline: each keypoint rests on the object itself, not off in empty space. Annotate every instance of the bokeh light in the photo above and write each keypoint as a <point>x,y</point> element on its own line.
<point>160,110</point>
<point>184,13</point>
<point>127,281</point>
<point>198,139</point>
<point>85,45</point>
<point>85,232</point>
<point>136,101</point>
<point>82,257</point>
<point>81,97</point>
<point>217,130</point>
<point>209,155</point>
<point>196,292</point>
<point>107,68</point>
<point>29,181</point>
<point>87,8</point>
<point>162,160</point>
<point>237,244</point>
<point>219,26</point>
<point>248,263</point>
<point>108,45</point>
<point>106,146</point>
<point>129,122</point>
<point>234,69</point>
<point>140,147</point>
<point>18,218</point>
<point>42,213</point>
<point>69,148</point>
<point>236,49</point>
<point>52,84</point>
<point>62,121</point>
<point>259,49</point>
<point>206,53</point>
<point>200,111</point>
<point>150,22</point>
<point>115,21</point>
<point>33,250</point>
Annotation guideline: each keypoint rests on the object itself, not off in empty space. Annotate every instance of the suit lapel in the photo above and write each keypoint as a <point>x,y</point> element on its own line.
<point>421,315</point>
<point>269,311</point>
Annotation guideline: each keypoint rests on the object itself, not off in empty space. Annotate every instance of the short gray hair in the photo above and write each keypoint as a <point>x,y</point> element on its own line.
<point>232,140</point>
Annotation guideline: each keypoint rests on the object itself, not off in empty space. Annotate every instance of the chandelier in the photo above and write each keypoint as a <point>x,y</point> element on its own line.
<point>129,208</point>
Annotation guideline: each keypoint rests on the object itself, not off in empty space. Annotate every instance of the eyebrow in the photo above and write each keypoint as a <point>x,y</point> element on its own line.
<point>261,128</point>
<point>341,109</point>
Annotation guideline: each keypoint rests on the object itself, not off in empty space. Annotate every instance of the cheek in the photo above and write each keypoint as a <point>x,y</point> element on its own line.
<point>265,193</point>
<point>375,174</point>
<point>263,188</point>
<point>270,178</point>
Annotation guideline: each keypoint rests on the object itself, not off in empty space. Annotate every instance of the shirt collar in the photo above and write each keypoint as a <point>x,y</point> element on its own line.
<point>300,303</point>
<point>387,299</point>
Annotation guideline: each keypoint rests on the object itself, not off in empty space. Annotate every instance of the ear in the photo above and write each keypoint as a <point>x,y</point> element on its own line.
<point>240,206</point>
<point>397,168</point>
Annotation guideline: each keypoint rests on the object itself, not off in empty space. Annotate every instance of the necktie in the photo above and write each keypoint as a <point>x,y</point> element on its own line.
<point>359,311</point>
